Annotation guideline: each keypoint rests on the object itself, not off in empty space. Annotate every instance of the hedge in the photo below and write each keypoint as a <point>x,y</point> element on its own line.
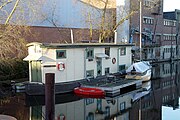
<point>13,69</point>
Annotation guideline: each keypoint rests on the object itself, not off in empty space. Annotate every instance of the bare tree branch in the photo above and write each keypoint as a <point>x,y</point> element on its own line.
<point>13,10</point>
<point>5,3</point>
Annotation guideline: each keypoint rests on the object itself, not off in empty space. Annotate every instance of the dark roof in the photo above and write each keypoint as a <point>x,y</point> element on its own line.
<point>172,15</point>
<point>169,15</point>
<point>83,45</point>
<point>78,45</point>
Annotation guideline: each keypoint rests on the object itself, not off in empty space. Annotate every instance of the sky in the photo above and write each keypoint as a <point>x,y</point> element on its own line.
<point>171,5</point>
<point>169,114</point>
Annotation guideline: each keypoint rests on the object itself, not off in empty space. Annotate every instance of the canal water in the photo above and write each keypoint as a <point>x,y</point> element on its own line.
<point>161,102</point>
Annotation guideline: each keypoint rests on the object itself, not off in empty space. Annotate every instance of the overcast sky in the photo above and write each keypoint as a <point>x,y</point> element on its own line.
<point>171,5</point>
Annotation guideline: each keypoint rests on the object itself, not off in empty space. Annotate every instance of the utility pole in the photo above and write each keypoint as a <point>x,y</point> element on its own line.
<point>177,32</point>
<point>140,28</point>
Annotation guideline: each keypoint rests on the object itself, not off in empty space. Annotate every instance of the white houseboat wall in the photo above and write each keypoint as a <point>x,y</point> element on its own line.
<point>72,62</point>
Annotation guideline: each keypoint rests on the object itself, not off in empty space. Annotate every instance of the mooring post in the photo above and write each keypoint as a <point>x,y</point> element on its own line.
<point>50,96</point>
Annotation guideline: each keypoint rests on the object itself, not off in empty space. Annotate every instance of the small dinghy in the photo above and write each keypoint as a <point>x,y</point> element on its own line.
<point>89,92</point>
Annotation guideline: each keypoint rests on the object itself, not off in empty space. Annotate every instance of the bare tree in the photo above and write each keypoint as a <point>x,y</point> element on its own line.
<point>107,24</point>
<point>16,16</point>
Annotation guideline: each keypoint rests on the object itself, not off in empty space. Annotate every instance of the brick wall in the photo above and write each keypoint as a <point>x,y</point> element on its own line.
<point>59,35</point>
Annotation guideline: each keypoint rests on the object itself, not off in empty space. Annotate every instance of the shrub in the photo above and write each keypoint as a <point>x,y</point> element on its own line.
<point>13,69</point>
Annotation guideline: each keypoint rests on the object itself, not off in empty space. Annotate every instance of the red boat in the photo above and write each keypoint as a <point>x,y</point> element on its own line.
<point>89,92</point>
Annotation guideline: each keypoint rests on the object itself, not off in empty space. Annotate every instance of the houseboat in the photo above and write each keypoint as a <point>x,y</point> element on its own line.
<point>73,63</point>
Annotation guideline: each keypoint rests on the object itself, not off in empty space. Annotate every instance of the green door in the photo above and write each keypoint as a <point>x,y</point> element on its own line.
<point>36,113</point>
<point>99,67</point>
<point>36,75</point>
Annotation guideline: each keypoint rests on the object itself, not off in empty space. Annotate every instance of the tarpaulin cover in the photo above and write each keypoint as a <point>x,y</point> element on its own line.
<point>139,67</point>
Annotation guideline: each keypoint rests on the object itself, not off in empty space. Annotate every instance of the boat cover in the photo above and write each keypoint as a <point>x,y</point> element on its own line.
<point>139,67</point>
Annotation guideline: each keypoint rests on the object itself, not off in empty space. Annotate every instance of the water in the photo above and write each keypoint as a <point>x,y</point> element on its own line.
<point>161,103</point>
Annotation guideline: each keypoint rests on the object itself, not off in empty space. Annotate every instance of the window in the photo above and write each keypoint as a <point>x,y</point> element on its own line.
<point>123,51</point>
<point>148,20</point>
<point>122,67</point>
<point>107,51</point>
<point>169,23</point>
<point>60,54</point>
<point>122,106</point>
<point>90,116</point>
<point>148,3</point>
<point>89,101</point>
<point>106,71</point>
<point>90,53</point>
<point>169,37</point>
<point>89,73</point>
<point>107,113</point>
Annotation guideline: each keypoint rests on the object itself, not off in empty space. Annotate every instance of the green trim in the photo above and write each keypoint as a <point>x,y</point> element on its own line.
<point>90,53</point>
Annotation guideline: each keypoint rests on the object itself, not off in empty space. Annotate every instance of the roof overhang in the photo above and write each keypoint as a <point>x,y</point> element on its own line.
<point>37,58</point>
<point>101,55</point>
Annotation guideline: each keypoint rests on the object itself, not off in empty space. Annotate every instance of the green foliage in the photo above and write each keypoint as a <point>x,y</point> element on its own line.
<point>13,69</point>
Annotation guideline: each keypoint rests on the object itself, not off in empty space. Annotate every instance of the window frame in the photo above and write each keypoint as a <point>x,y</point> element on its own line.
<point>107,51</point>
<point>91,73</point>
<point>123,51</point>
<point>60,57</point>
<point>90,53</point>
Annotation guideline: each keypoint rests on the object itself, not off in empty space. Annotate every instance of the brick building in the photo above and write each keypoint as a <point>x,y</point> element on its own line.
<point>81,20</point>
<point>159,30</point>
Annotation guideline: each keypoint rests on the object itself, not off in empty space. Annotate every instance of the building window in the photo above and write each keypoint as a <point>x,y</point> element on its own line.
<point>122,67</point>
<point>60,54</point>
<point>106,71</point>
<point>90,53</point>
<point>169,23</point>
<point>90,73</point>
<point>148,3</point>
<point>148,20</point>
<point>122,106</point>
<point>123,51</point>
<point>169,37</point>
<point>107,51</point>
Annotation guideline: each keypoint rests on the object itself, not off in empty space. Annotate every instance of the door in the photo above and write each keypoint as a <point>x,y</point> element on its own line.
<point>99,67</point>
<point>36,75</point>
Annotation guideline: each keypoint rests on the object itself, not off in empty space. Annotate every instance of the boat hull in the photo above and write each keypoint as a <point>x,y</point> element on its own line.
<point>89,92</point>
<point>143,77</point>
<point>60,88</point>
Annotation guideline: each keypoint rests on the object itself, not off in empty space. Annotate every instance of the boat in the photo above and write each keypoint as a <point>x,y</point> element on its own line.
<point>19,87</point>
<point>72,64</point>
<point>146,89</point>
<point>89,92</point>
<point>139,71</point>
<point>139,95</point>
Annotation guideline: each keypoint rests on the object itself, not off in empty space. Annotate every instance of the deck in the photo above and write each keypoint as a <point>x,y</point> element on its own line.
<point>113,86</point>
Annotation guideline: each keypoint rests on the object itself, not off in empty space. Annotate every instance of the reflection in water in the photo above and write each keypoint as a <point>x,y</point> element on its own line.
<point>165,89</point>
